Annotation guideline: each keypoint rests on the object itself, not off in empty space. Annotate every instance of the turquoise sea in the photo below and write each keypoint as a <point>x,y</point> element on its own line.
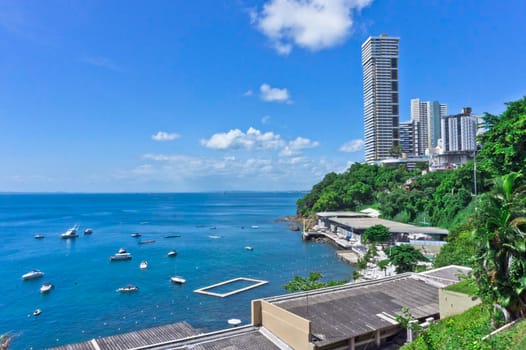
<point>214,228</point>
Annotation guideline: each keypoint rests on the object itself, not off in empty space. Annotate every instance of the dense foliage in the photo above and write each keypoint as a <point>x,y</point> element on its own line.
<point>309,283</point>
<point>465,331</point>
<point>459,250</point>
<point>500,240</point>
<point>405,257</point>
<point>504,142</point>
<point>376,234</point>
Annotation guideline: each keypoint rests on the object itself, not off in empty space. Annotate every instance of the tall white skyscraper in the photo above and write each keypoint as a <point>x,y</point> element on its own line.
<point>380,95</point>
<point>427,115</point>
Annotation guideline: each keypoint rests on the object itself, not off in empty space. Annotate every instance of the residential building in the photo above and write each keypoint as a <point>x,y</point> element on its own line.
<point>427,114</point>
<point>459,131</point>
<point>409,138</point>
<point>380,92</point>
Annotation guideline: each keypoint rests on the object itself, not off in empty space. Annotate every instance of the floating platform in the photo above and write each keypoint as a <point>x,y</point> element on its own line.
<point>206,290</point>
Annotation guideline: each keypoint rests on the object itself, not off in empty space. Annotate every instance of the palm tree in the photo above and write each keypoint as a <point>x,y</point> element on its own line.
<point>500,237</point>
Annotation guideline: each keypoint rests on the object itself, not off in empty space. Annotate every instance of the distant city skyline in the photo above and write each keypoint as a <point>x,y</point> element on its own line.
<point>221,96</point>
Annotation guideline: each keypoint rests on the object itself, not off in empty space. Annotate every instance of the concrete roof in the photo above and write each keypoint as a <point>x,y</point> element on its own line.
<point>362,223</point>
<point>341,214</point>
<point>343,312</point>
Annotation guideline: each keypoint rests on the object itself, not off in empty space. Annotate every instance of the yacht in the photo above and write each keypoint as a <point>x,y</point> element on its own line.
<point>177,280</point>
<point>122,254</point>
<point>172,253</point>
<point>143,265</point>
<point>71,233</point>
<point>128,289</point>
<point>46,287</point>
<point>31,275</point>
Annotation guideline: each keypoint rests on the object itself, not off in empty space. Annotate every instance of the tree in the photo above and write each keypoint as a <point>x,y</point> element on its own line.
<point>405,257</point>
<point>312,282</point>
<point>504,142</point>
<point>500,241</point>
<point>376,234</point>
<point>396,151</point>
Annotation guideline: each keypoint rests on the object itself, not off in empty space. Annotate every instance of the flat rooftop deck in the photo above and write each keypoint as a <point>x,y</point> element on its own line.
<point>362,223</point>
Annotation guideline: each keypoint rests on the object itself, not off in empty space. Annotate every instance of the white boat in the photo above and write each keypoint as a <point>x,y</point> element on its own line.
<point>88,231</point>
<point>143,265</point>
<point>46,287</point>
<point>254,226</point>
<point>37,312</point>
<point>177,280</point>
<point>122,254</point>
<point>172,253</point>
<point>135,235</point>
<point>128,289</point>
<point>31,275</point>
<point>39,236</point>
<point>70,233</point>
<point>249,248</point>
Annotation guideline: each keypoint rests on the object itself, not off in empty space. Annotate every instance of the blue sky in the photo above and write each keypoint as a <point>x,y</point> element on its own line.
<point>212,95</point>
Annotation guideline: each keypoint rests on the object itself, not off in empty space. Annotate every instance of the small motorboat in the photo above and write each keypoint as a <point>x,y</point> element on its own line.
<point>135,235</point>
<point>254,227</point>
<point>172,236</point>
<point>37,312</point>
<point>39,236</point>
<point>130,288</point>
<point>122,254</point>
<point>32,275</point>
<point>143,265</point>
<point>249,248</point>
<point>147,241</point>
<point>46,287</point>
<point>172,253</point>
<point>88,231</point>
<point>234,322</point>
<point>177,280</point>
<point>70,233</point>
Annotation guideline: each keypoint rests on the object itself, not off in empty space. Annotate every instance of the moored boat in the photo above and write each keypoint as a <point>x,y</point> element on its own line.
<point>249,248</point>
<point>172,253</point>
<point>37,312</point>
<point>88,231</point>
<point>143,265</point>
<point>146,241</point>
<point>130,288</point>
<point>70,233</point>
<point>39,236</point>
<point>46,287</point>
<point>31,275</point>
<point>177,280</point>
<point>135,235</point>
<point>122,254</point>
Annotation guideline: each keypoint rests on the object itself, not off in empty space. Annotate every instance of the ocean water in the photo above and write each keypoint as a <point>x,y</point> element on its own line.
<point>214,228</point>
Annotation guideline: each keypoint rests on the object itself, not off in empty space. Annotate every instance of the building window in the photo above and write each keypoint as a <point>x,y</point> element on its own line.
<point>394,74</point>
<point>395,122</point>
<point>394,98</point>
<point>396,135</point>
<point>394,63</point>
<point>394,85</point>
<point>395,109</point>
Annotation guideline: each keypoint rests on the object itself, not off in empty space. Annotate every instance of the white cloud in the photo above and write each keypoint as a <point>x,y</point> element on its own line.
<point>248,93</point>
<point>265,119</point>
<point>236,139</point>
<point>271,94</point>
<point>165,136</point>
<point>352,146</point>
<point>311,24</point>
<point>295,147</point>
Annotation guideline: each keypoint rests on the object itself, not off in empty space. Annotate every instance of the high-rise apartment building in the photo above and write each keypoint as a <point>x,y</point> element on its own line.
<point>409,138</point>
<point>459,131</point>
<point>380,94</point>
<point>427,115</point>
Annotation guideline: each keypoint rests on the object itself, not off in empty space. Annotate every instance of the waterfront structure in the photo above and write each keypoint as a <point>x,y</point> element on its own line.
<point>459,131</point>
<point>380,94</point>
<point>427,115</point>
